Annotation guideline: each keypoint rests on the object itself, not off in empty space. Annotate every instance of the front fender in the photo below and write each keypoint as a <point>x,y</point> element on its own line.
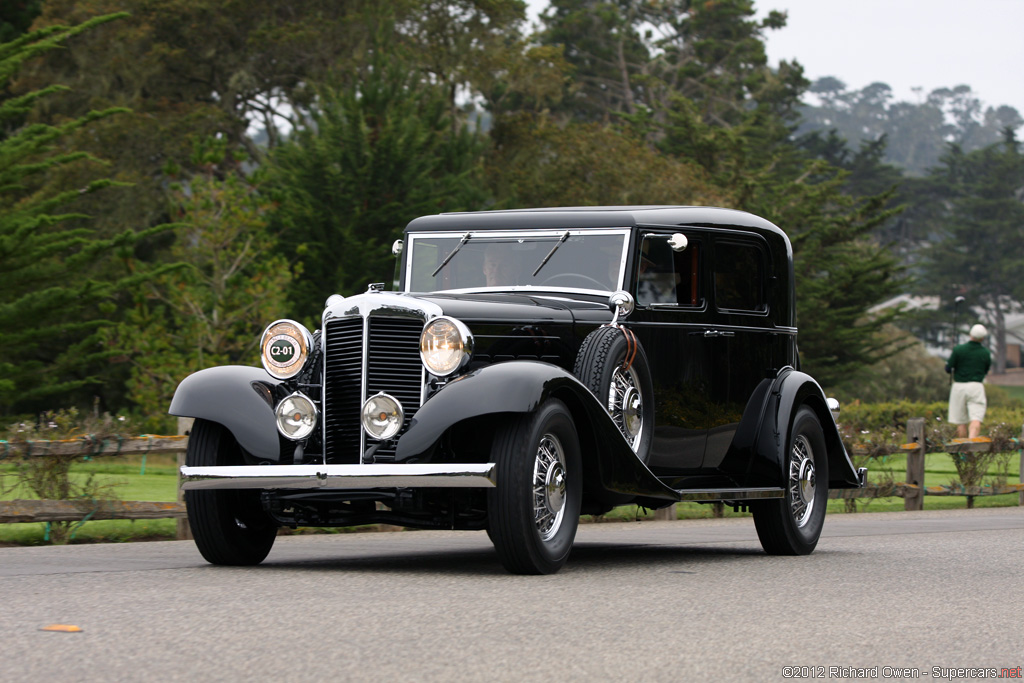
<point>520,387</point>
<point>237,397</point>
<point>791,390</point>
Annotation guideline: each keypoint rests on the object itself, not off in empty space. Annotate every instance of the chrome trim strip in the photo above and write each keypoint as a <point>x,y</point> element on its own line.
<point>715,495</point>
<point>323,391</point>
<point>338,476</point>
<point>362,388</point>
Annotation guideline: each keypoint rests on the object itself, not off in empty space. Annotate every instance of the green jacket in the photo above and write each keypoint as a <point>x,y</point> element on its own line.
<point>970,362</point>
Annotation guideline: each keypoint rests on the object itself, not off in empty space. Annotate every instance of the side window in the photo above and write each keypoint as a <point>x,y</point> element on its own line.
<point>668,277</point>
<point>739,276</point>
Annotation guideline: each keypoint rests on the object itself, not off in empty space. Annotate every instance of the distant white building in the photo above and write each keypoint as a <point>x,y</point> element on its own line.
<point>940,345</point>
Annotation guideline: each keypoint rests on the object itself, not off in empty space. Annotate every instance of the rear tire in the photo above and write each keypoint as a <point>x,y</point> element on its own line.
<point>534,511</point>
<point>792,525</point>
<point>229,525</point>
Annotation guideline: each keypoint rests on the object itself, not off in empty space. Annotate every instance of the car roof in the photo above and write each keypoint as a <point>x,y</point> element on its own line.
<point>595,217</point>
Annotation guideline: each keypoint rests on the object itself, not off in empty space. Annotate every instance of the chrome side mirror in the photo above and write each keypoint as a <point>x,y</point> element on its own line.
<point>622,304</point>
<point>677,241</point>
<point>396,248</point>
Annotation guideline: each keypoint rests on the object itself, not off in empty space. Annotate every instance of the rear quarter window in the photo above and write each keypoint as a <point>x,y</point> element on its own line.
<point>740,276</point>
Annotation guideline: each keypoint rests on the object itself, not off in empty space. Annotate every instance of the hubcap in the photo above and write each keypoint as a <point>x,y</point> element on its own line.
<point>801,480</point>
<point>626,405</point>
<point>549,485</point>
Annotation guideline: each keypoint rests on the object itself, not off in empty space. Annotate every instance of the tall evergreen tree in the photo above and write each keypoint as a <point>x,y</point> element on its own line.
<point>372,156</point>
<point>917,132</point>
<point>979,253</point>
<point>56,295</point>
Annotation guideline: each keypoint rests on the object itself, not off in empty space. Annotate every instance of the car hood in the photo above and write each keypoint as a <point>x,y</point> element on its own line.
<point>515,307</point>
<point>483,307</point>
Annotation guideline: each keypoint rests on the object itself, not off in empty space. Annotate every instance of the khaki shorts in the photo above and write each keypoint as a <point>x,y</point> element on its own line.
<point>967,402</point>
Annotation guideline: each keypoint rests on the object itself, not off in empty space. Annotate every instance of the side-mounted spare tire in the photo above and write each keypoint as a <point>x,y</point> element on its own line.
<point>229,525</point>
<point>612,364</point>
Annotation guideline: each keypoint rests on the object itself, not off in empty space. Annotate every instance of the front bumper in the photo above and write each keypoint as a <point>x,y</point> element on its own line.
<point>475,475</point>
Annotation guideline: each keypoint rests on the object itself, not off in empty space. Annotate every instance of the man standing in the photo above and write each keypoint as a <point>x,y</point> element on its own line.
<point>969,364</point>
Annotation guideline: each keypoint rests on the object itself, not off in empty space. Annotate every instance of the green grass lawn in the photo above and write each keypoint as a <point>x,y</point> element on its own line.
<point>123,476</point>
<point>1015,392</point>
<point>159,483</point>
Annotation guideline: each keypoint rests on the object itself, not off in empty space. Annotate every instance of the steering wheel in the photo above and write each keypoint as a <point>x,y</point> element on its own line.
<point>553,280</point>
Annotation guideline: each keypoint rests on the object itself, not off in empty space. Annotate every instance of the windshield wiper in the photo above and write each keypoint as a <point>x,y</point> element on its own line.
<point>465,238</point>
<point>564,237</point>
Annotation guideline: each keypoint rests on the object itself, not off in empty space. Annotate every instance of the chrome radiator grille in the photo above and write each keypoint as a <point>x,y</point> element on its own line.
<point>392,366</point>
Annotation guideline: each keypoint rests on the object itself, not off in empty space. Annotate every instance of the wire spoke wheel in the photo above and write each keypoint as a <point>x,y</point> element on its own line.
<point>549,487</point>
<point>801,480</point>
<point>625,404</point>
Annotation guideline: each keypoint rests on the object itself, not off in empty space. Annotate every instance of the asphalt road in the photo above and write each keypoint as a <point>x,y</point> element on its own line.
<point>650,601</point>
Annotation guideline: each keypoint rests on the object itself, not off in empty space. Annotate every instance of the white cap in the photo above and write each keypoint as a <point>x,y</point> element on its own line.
<point>978,332</point>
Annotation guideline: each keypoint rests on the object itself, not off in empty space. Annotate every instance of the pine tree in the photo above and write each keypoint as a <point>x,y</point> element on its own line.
<point>55,296</point>
<point>980,251</point>
<point>372,157</point>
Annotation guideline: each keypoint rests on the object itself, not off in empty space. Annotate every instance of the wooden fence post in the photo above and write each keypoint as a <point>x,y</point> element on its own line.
<point>914,498</point>
<point>666,513</point>
<point>183,532</point>
<point>1020,477</point>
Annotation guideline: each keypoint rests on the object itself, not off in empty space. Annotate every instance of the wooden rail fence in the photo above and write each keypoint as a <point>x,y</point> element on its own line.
<point>912,490</point>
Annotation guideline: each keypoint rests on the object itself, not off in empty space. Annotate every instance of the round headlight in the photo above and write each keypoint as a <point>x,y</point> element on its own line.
<point>445,346</point>
<point>284,348</point>
<point>382,416</point>
<point>296,417</point>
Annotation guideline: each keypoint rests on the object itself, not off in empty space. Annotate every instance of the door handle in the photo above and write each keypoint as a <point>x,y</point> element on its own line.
<point>719,333</point>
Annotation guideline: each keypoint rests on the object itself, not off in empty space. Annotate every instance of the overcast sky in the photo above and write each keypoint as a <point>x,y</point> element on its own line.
<point>905,43</point>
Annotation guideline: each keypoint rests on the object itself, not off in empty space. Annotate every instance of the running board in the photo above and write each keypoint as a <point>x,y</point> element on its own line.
<point>721,495</point>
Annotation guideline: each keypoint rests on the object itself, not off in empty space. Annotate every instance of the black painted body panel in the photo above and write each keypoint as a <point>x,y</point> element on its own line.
<point>227,395</point>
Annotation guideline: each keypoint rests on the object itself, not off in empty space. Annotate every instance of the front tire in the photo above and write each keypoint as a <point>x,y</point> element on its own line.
<point>229,526</point>
<point>792,525</point>
<point>534,511</point>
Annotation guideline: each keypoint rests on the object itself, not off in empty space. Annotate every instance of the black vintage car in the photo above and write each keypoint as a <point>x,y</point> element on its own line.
<point>533,366</point>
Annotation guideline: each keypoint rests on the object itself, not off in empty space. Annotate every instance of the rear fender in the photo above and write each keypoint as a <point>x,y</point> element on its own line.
<point>238,397</point>
<point>614,473</point>
<point>791,390</point>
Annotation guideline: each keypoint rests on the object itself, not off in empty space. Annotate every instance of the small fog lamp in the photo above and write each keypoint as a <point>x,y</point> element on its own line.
<point>296,417</point>
<point>382,416</point>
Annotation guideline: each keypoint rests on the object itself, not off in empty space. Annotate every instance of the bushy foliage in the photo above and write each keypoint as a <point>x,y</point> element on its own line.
<point>371,157</point>
<point>910,373</point>
<point>538,162</point>
<point>60,279</point>
<point>211,311</point>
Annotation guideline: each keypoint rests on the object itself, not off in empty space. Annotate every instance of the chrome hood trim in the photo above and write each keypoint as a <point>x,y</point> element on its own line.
<point>379,303</point>
<point>338,476</point>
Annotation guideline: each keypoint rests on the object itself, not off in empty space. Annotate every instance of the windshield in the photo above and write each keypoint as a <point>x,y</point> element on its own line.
<point>549,259</point>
